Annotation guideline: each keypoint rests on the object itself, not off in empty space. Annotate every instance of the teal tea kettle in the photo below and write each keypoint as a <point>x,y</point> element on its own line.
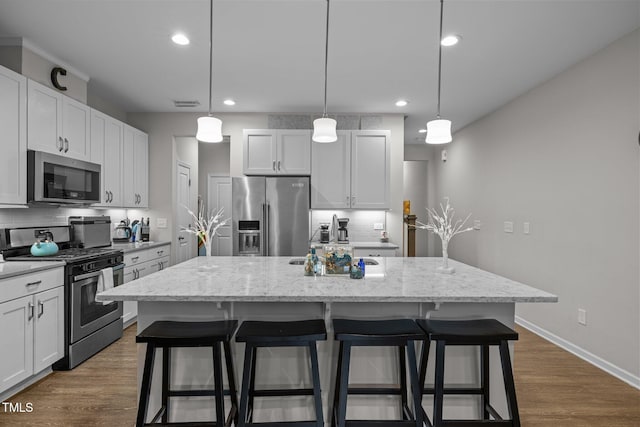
<point>44,247</point>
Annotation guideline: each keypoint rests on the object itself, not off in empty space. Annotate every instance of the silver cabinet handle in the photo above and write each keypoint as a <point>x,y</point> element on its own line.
<point>61,147</point>
<point>110,197</point>
<point>278,164</point>
<point>31,306</point>
<point>66,145</point>
<point>353,201</point>
<point>135,258</point>
<point>37,282</point>
<point>40,309</point>
<point>159,252</point>
<point>137,198</point>
<point>274,165</point>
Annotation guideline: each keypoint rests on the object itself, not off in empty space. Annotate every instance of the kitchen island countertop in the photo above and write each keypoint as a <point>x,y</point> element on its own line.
<point>273,279</point>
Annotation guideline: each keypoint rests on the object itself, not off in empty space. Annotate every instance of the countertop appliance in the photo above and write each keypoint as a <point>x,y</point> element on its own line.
<point>53,179</point>
<point>91,231</point>
<point>89,325</point>
<point>324,232</point>
<point>270,215</point>
<point>343,233</point>
<point>122,232</point>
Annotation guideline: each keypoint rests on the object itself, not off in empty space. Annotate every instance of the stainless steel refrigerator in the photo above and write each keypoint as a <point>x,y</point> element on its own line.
<point>270,216</point>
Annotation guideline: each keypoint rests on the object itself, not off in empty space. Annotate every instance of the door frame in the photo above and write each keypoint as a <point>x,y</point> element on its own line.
<point>178,207</point>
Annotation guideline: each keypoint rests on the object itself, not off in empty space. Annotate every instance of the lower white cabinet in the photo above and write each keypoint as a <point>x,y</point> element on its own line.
<point>32,326</point>
<point>139,264</point>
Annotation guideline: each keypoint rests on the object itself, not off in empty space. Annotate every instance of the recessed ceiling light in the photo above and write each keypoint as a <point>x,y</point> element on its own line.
<point>422,131</point>
<point>229,102</point>
<point>180,39</point>
<point>451,40</point>
<point>401,103</point>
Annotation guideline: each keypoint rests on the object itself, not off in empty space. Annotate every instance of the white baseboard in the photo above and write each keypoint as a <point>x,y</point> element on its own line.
<point>7,394</point>
<point>583,354</point>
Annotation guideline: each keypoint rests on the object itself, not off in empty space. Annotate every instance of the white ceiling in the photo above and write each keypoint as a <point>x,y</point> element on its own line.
<point>268,54</point>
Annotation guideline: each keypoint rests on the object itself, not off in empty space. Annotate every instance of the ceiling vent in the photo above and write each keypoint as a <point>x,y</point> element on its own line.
<point>186,104</point>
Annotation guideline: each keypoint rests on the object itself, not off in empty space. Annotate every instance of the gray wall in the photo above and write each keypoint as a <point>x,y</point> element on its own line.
<point>565,158</point>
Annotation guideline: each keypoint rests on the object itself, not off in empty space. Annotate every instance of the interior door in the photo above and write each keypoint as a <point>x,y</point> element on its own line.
<point>185,241</point>
<point>219,196</point>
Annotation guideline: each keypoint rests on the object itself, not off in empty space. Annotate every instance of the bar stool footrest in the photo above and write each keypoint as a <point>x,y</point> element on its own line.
<point>379,423</point>
<point>476,423</point>
<point>283,392</point>
<point>191,393</point>
<point>184,424</point>
<point>454,390</point>
<point>285,424</point>
<point>374,390</point>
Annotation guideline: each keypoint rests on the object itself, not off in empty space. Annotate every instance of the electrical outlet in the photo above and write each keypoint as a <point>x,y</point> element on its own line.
<point>526,228</point>
<point>508,226</point>
<point>582,316</point>
<point>378,226</point>
<point>477,224</point>
<point>161,222</point>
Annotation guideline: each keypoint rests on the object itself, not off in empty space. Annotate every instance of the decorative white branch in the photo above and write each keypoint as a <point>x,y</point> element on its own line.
<point>205,228</point>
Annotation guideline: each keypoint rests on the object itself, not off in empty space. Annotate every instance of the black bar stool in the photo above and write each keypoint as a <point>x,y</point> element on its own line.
<point>166,335</point>
<point>400,333</point>
<point>480,332</point>
<point>257,334</point>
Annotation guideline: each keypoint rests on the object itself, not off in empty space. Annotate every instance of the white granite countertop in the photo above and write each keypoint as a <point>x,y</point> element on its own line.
<point>271,279</point>
<point>137,246</point>
<point>17,268</point>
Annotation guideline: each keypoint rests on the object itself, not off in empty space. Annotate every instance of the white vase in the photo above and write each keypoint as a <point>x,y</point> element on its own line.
<point>207,248</point>
<point>444,268</point>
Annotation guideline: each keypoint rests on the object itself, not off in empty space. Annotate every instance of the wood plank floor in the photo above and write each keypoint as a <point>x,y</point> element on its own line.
<point>554,388</point>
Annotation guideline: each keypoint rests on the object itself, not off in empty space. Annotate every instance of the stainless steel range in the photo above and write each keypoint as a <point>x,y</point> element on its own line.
<point>89,325</point>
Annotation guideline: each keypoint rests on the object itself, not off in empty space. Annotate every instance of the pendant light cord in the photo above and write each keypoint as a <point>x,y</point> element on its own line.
<point>326,60</point>
<point>440,56</point>
<point>210,54</point>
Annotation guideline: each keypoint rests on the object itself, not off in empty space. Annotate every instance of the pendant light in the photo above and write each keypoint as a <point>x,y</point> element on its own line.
<point>209,127</point>
<point>439,130</point>
<point>324,129</point>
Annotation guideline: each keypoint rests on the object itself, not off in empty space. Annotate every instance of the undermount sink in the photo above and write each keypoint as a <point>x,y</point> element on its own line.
<point>300,261</point>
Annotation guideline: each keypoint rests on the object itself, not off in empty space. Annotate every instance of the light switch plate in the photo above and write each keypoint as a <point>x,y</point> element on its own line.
<point>526,228</point>
<point>508,226</point>
<point>161,222</point>
<point>477,224</point>
<point>378,226</point>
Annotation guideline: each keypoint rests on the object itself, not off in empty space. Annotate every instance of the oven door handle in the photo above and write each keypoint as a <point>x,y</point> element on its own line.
<point>95,273</point>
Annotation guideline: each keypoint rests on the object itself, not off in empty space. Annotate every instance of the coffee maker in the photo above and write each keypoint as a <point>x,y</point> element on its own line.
<point>324,232</point>
<point>343,234</point>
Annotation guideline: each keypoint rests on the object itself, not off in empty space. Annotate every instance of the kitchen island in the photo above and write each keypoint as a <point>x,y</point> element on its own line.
<point>270,288</point>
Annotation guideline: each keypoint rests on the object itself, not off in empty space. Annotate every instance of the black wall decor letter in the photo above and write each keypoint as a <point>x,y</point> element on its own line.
<point>54,77</point>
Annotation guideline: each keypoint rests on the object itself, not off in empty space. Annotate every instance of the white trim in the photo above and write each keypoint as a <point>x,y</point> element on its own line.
<point>12,391</point>
<point>598,362</point>
<point>21,41</point>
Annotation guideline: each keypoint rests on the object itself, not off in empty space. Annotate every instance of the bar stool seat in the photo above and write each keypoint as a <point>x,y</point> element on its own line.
<point>477,332</point>
<point>170,334</point>
<point>259,334</point>
<point>400,333</point>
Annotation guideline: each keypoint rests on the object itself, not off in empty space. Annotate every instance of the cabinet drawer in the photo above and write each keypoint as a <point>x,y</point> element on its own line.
<point>160,251</point>
<point>29,284</point>
<point>135,258</point>
<point>357,253</point>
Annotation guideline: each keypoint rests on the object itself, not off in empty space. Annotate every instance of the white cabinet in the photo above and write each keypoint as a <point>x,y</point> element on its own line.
<point>56,123</point>
<point>32,321</point>
<point>107,150</point>
<point>139,264</point>
<point>13,144</point>
<point>353,172</point>
<point>136,168</point>
<point>276,152</point>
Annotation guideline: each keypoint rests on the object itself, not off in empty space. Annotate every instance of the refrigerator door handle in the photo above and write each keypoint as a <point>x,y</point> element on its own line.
<point>266,230</point>
<point>263,249</point>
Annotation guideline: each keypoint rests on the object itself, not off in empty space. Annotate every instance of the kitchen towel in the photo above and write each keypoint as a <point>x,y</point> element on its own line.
<point>105,282</point>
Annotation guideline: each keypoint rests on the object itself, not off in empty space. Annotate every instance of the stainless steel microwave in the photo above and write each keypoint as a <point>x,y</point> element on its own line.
<point>61,180</point>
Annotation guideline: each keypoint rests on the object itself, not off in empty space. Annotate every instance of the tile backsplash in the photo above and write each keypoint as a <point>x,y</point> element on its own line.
<point>360,223</point>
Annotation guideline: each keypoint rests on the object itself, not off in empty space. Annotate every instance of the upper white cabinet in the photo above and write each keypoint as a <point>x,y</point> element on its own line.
<point>353,172</point>
<point>13,143</point>
<point>136,168</point>
<point>56,123</point>
<point>107,150</point>
<point>276,152</point>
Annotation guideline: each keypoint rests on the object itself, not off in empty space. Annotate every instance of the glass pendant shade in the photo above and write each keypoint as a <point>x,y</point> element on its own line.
<point>324,130</point>
<point>209,129</point>
<point>438,131</point>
